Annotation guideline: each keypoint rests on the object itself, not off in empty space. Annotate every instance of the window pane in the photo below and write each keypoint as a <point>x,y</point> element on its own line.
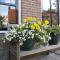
<point>9,9</point>
<point>46,10</point>
<point>3,17</point>
<point>46,4</point>
<point>53,4</point>
<point>50,11</point>
<point>12,15</point>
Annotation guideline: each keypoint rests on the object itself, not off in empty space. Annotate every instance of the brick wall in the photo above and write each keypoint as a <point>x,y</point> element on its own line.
<point>31,8</point>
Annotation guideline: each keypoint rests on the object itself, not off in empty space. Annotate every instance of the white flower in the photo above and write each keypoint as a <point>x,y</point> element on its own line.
<point>19,32</point>
<point>49,38</point>
<point>19,37</point>
<point>44,40</point>
<point>28,37</point>
<point>24,40</point>
<point>41,38</point>
<point>11,38</point>
<point>21,43</point>
<point>16,33</point>
<point>19,40</point>
<point>30,33</point>
<point>36,34</point>
<point>14,36</point>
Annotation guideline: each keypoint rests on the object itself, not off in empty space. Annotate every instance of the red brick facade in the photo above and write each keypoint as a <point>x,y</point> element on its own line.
<point>31,8</point>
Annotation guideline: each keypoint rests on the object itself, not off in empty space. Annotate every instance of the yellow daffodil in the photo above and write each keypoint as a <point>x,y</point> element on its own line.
<point>39,22</point>
<point>38,28</point>
<point>32,27</point>
<point>35,24</point>
<point>29,19</point>
<point>46,22</point>
<point>25,20</point>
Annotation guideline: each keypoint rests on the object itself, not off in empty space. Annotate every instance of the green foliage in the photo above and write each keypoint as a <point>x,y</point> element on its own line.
<point>54,29</point>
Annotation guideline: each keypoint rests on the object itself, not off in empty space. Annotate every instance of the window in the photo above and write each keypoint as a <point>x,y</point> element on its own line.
<point>10,10</point>
<point>8,13</point>
<point>50,11</point>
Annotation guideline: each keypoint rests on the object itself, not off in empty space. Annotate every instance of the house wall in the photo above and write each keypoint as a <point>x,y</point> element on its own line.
<point>28,8</point>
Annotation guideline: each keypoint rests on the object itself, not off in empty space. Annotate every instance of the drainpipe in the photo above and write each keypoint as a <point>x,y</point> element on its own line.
<point>50,14</point>
<point>58,2</point>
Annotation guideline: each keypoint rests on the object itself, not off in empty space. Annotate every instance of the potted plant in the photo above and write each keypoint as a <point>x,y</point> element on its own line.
<point>34,31</point>
<point>54,33</point>
<point>29,33</point>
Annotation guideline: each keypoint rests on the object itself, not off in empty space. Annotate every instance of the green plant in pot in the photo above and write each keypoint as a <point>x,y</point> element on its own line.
<point>54,33</point>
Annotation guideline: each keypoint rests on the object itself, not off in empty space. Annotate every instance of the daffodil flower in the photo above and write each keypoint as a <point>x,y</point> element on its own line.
<point>29,19</point>
<point>38,28</point>
<point>35,24</point>
<point>32,27</point>
<point>25,20</point>
<point>39,22</point>
<point>46,22</point>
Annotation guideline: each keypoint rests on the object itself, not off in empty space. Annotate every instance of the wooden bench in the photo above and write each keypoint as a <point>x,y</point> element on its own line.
<point>35,52</point>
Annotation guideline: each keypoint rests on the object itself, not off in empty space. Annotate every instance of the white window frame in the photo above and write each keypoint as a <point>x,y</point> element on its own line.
<point>18,7</point>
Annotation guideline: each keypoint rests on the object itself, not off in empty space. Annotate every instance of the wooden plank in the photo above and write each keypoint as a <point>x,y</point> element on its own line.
<point>39,50</point>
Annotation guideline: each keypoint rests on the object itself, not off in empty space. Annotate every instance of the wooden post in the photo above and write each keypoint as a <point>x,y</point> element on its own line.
<point>14,53</point>
<point>18,51</point>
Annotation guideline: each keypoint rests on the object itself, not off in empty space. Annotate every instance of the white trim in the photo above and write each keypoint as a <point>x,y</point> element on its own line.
<point>19,11</point>
<point>3,32</point>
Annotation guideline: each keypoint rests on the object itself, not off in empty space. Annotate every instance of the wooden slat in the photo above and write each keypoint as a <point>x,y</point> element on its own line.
<point>39,50</point>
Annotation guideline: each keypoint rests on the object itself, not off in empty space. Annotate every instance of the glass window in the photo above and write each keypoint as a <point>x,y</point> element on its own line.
<point>8,13</point>
<point>3,17</point>
<point>50,11</point>
<point>11,10</point>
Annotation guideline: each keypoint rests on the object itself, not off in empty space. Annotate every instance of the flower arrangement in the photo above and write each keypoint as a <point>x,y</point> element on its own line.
<point>32,29</point>
<point>35,28</point>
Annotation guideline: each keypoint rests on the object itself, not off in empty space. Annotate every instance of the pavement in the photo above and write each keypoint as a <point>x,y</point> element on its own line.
<point>51,56</point>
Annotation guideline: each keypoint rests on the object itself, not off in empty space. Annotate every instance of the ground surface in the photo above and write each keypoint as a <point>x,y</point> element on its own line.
<point>51,56</point>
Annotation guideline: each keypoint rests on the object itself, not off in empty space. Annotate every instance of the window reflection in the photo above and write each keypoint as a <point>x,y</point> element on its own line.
<point>50,11</point>
<point>9,10</point>
<point>12,15</point>
<point>8,13</point>
<point>3,17</point>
